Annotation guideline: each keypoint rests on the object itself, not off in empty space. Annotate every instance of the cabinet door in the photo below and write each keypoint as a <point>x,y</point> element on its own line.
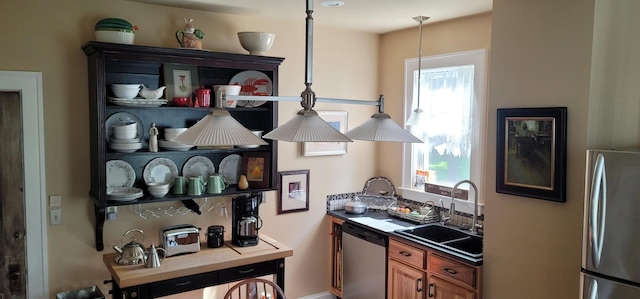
<point>441,289</point>
<point>404,282</point>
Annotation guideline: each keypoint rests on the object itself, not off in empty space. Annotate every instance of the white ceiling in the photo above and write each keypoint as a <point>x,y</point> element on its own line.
<point>375,16</point>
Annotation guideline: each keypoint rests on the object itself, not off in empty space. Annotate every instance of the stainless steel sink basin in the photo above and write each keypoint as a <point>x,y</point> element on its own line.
<point>445,238</point>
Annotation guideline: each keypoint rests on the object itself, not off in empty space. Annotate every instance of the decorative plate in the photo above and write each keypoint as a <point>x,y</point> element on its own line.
<point>198,166</point>
<point>254,83</point>
<point>160,170</point>
<point>122,118</point>
<point>120,174</point>
<point>230,168</point>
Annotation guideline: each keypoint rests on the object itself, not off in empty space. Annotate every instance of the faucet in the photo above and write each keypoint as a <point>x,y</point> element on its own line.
<point>474,226</point>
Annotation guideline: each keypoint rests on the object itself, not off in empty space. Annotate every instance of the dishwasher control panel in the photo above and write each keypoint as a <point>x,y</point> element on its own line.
<point>365,234</point>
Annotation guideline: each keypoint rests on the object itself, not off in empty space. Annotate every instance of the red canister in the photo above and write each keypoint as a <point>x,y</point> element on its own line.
<point>203,97</point>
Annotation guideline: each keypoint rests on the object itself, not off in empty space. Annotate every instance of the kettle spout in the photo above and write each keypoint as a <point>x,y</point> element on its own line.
<point>117,249</point>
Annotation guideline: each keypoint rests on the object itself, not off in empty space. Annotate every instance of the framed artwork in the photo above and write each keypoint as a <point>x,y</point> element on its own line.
<point>256,168</point>
<point>532,152</point>
<point>338,120</point>
<point>293,191</point>
<point>181,80</point>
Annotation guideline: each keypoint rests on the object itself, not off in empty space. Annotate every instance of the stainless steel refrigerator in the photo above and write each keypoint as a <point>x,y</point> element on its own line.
<point>610,239</point>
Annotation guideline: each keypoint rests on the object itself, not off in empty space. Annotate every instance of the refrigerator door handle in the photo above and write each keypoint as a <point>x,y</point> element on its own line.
<point>598,208</point>
<point>593,290</point>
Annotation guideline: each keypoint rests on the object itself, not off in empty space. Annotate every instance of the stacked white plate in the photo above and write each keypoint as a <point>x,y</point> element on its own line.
<point>173,146</point>
<point>120,180</point>
<point>125,145</point>
<point>138,102</point>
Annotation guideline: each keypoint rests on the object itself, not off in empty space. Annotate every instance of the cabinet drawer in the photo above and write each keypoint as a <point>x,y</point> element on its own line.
<point>407,254</point>
<point>453,270</point>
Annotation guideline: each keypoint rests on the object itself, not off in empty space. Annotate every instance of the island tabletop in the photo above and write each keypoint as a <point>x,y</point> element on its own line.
<point>209,266</point>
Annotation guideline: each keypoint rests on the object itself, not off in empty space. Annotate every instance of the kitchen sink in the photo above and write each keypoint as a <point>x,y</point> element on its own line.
<point>445,238</point>
<point>433,232</point>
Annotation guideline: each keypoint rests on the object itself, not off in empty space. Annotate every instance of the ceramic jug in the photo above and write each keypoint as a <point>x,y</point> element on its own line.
<point>196,185</point>
<point>217,183</point>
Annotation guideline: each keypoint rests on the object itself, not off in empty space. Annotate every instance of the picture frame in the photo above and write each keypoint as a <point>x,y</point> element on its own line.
<point>181,80</point>
<point>293,191</point>
<point>532,152</point>
<point>255,166</point>
<point>338,120</point>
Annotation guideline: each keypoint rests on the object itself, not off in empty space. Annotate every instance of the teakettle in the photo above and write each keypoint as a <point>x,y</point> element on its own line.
<point>132,253</point>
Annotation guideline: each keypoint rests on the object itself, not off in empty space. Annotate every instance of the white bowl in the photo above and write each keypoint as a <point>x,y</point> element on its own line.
<point>158,193</point>
<point>256,42</point>
<point>257,133</point>
<point>158,186</point>
<point>125,147</point>
<point>125,91</point>
<point>232,90</point>
<point>171,133</point>
<point>118,36</point>
<point>125,131</point>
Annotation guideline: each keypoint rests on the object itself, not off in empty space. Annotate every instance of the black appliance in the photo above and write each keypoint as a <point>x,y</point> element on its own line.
<point>245,221</point>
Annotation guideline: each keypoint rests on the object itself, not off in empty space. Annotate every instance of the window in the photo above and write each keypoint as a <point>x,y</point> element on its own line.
<point>452,96</point>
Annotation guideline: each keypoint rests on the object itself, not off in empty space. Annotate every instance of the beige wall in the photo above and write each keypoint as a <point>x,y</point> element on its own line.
<point>541,55</point>
<point>50,43</point>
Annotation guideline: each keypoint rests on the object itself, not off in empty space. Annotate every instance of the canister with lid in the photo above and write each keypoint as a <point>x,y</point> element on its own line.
<point>215,236</point>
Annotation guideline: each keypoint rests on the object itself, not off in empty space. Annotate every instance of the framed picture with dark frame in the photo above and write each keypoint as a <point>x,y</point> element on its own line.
<point>256,167</point>
<point>181,80</point>
<point>532,152</point>
<point>293,191</point>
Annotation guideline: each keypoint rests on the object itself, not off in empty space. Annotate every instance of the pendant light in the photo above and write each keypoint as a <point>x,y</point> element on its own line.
<point>418,116</point>
<point>307,126</point>
<point>218,128</point>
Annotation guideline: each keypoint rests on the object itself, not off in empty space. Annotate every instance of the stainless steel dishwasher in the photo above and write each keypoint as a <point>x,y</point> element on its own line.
<point>364,262</point>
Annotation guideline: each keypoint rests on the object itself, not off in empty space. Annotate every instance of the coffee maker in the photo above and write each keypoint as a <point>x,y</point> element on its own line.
<point>245,221</point>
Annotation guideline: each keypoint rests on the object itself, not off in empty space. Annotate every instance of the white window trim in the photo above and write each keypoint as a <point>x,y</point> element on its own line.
<point>477,58</point>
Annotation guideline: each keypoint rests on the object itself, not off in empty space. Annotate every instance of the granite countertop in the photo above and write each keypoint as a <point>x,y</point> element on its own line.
<point>382,222</point>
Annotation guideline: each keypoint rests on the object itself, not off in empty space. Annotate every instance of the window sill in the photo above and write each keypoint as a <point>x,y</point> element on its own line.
<point>464,206</point>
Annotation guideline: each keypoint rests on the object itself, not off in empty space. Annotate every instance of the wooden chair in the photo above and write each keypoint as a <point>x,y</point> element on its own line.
<point>255,288</point>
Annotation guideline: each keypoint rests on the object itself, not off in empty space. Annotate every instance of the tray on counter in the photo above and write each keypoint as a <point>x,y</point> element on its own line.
<point>432,215</point>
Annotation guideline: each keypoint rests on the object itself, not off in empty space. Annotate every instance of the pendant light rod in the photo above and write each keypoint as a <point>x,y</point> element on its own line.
<point>417,116</point>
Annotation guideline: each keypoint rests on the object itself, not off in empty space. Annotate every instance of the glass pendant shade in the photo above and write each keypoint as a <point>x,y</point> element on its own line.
<point>307,126</point>
<point>218,128</point>
<point>417,118</point>
<point>380,127</point>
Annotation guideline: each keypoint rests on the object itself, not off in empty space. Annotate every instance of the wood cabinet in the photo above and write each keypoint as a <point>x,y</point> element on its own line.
<point>336,256</point>
<point>416,271</point>
<point>132,64</point>
<point>404,281</point>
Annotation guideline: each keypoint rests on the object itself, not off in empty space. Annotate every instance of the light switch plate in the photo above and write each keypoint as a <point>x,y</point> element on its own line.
<point>55,217</point>
<point>55,201</point>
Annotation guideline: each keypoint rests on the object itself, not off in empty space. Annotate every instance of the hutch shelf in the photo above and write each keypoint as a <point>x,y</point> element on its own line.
<point>110,63</point>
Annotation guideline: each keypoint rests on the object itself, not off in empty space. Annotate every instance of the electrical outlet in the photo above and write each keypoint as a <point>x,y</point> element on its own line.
<point>112,213</point>
<point>55,217</point>
<point>55,201</point>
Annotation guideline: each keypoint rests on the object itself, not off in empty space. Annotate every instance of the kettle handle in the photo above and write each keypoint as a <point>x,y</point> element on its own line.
<point>130,231</point>
<point>164,253</point>
<point>180,39</point>
<point>259,226</point>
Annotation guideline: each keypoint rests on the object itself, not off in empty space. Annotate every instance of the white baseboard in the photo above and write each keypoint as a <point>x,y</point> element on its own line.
<point>324,295</point>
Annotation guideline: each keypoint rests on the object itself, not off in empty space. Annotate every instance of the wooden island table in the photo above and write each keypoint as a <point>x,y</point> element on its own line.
<point>208,267</point>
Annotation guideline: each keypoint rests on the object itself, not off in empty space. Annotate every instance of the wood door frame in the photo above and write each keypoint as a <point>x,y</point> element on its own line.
<point>29,85</point>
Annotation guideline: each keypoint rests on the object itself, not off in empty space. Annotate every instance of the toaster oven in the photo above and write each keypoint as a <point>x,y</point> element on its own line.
<point>180,239</point>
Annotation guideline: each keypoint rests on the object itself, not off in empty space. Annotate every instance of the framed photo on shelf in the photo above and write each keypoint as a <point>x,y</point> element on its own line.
<point>181,80</point>
<point>532,152</point>
<point>293,191</point>
<point>256,168</point>
<point>338,120</point>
